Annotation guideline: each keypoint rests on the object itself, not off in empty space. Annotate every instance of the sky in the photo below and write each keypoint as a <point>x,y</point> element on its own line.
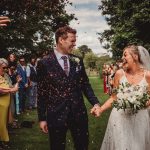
<point>89,23</point>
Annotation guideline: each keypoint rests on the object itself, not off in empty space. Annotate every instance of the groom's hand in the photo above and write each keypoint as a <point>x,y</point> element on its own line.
<point>95,110</point>
<point>43,126</point>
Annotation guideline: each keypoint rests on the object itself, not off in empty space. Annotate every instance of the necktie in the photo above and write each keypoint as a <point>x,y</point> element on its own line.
<point>66,68</point>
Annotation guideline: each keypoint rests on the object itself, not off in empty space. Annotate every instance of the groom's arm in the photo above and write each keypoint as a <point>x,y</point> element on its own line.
<point>42,95</point>
<point>86,87</point>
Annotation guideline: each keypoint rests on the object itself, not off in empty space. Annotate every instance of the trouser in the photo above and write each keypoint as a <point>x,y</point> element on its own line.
<point>28,96</point>
<point>17,102</point>
<point>22,99</point>
<point>33,95</point>
<point>79,132</point>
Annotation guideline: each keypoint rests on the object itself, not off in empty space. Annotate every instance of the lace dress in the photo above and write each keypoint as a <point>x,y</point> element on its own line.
<point>127,131</point>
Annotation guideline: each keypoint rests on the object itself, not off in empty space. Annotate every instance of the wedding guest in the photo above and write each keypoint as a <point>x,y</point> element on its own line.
<point>14,79</point>
<point>32,77</point>
<point>12,60</point>
<point>110,78</point>
<point>23,84</point>
<point>5,91</point>
<point>129,123</point>
<point>104,79</point>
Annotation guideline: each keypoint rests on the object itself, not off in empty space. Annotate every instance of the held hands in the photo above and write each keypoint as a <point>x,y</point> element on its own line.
<point>96,110</point>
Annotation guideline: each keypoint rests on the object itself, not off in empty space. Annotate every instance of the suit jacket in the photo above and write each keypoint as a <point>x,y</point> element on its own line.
<point>23,75</point>
<point>60,95</point>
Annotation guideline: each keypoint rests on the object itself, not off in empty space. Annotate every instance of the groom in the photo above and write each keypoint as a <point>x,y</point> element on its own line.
<point>61,81</point>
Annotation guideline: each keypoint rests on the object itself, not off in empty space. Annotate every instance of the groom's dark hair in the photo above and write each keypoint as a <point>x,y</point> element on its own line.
<point>62,32</point>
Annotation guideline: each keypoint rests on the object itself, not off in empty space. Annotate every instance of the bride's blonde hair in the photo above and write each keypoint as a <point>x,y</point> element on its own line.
<point>134,50</point>
<point>142,53</point>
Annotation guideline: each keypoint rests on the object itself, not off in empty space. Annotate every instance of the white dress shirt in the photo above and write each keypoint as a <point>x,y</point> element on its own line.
<point>60,60</point>
<point>28,71</point>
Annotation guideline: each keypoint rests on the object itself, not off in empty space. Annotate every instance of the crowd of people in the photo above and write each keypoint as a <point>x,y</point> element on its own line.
<point>18,91</point>
<point>108,73</point>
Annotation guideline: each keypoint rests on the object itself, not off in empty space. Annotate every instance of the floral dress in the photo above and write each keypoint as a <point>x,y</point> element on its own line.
<point>125,130</point>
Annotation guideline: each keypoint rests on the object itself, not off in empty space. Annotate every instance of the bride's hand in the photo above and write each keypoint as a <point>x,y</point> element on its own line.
<point>98,112</point>
<point>92,111</point>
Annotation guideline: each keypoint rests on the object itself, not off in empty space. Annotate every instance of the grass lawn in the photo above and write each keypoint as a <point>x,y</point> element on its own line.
<point>34,139</point>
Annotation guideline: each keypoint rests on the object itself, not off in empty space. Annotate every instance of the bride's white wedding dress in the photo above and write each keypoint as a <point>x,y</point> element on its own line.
<point>127,131</point>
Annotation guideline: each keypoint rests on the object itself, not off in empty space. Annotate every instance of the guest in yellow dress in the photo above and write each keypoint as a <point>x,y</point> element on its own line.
<point>5,91</point>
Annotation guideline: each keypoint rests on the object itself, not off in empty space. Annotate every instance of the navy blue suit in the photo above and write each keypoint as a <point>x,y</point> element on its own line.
<point>22,88</point>
<point>60,100</point>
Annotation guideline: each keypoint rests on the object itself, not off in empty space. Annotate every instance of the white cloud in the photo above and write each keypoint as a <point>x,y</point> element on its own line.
<point>90,21</point>
<point>91,41</point>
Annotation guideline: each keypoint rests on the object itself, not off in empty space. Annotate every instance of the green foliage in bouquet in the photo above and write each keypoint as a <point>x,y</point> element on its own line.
<point>133,97</point>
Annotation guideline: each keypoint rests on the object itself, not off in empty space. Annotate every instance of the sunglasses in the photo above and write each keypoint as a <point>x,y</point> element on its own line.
<point>12,68</point>
<point>5,67</point>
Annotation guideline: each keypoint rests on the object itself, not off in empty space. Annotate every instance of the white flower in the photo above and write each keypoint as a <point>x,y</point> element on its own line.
<point>77,60</point>
<point>131,97</point>
<point>127,95</point>
<point>120,95</point>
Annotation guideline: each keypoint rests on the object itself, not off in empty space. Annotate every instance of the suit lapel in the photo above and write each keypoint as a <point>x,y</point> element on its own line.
<point>57,67</point>
<point>72,66</point>
<point>56,64</point>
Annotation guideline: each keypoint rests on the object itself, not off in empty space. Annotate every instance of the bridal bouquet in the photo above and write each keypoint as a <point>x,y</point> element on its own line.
<point>131,97</point>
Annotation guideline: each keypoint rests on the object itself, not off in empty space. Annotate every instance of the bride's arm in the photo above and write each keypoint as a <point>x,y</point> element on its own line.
<point>148,81</point>
<point>108,103</point>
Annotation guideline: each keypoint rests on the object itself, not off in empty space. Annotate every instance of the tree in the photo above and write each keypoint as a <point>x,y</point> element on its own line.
<point>32,24</point>
<point>77,52</point>
<point>84,49</point>
<point>129,23</point>
<point>90,60</point>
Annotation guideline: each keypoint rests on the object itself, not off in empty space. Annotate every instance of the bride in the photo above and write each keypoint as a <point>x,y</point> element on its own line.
<point>127,130</point>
